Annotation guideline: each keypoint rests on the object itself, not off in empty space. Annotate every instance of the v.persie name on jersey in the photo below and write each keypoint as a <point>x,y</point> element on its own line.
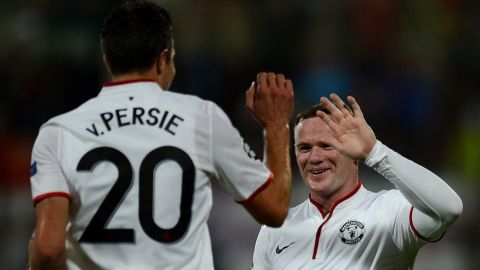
<point>124,117</point>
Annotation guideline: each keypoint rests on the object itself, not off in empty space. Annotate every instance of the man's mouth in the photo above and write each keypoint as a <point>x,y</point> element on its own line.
<point>317,172</point>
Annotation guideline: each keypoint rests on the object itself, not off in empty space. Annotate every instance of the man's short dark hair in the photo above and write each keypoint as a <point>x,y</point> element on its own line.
<point>310,113</point>
<point>134,34</point>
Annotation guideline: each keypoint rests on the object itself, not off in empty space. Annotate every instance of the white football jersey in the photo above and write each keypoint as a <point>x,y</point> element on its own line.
<point>136,163</point>
<point>364,230</point>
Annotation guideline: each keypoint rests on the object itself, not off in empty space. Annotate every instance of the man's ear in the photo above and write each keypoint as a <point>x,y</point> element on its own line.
<point>105,62</point>
<point>161,61</point>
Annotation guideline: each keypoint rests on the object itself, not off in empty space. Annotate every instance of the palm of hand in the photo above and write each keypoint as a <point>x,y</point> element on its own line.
<point>352,136</point>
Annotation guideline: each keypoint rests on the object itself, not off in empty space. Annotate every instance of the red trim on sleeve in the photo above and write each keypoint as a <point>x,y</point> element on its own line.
<point>126,82</point>
<point>417,234</point>
<point>51,194</point>
<point>260,189</point>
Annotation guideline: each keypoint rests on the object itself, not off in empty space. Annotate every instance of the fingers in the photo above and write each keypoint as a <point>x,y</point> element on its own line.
<point>270,99</point>
<point>280,78</point>
<point>325,117</point>
<point>289,86</point>
<point>341,105</point>
<point>340,109</point>
<point>271,80</point>
<point>274,82</point>
<point>334,110</point>
<point>356,108</point>
<point>261,83</point>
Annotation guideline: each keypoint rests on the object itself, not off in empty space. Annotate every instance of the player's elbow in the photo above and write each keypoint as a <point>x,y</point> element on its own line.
<point>278,221</point>
<point>268,214</point>
<point>277,217</point>
<point>48,254</point>
<point>453,210</point>
<point>268,208</point>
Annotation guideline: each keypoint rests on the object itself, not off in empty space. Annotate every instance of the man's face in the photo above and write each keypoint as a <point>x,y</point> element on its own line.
<point>326,172</point>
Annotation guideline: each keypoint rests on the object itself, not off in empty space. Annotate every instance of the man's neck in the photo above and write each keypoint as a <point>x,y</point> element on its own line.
<point>135,76</point>
<point>327,202</point>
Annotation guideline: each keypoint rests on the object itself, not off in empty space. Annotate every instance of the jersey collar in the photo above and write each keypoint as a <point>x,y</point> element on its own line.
<point>107,84</point>
<point>129,85</point>
<point>340,203</point>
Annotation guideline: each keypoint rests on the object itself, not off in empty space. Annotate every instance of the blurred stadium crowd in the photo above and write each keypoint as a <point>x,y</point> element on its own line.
<point>414,67</point>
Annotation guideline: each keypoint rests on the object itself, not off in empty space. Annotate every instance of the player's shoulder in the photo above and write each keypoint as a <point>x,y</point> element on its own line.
<point>204,105</point>
<point>69,116</point>
<point>185,97</point>
<point>387,194</point>
<point>385,198</point>
<point>192,102</point>
<point>298,210</point>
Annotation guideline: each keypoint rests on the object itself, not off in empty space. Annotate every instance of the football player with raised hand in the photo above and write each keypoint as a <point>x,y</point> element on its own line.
<point>342,225</point>
<point>124,180</point>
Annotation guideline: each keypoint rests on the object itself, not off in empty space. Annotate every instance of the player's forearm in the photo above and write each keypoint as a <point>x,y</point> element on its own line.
<point>423,189</point>
<point>277,159</point>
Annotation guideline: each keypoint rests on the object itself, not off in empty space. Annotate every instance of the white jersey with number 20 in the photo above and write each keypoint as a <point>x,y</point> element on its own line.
<point>136,163</point>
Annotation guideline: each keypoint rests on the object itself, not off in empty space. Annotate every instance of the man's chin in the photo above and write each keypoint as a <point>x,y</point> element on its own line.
<point>318,186</point>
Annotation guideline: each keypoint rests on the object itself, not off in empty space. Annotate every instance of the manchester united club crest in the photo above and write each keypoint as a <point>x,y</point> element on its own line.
<point>352,232</point>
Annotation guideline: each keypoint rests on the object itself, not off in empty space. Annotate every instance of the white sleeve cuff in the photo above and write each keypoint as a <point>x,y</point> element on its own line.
<point>376,155</point>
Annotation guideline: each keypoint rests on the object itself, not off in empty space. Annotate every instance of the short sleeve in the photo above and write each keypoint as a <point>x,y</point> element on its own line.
<point>46,176</point>
<point>260,256</point>
<point>238,170</point>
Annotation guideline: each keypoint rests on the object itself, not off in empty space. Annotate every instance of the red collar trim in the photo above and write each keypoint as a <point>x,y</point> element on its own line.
<point>126,82</point>
<point>319,206</point>
<point>319,230</point>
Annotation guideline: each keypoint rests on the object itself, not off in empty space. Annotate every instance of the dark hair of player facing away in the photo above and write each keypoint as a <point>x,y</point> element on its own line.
<point>134,34</point>
<point>310,112</point>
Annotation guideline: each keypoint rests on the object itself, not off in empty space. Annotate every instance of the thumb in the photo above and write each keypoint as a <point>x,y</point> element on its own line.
<point>250,96</point>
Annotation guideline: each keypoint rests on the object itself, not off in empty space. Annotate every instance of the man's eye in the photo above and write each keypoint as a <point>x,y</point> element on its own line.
<point>303,149</point>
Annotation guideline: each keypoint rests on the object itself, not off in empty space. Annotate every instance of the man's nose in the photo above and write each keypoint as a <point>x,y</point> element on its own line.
<point>317,155</point>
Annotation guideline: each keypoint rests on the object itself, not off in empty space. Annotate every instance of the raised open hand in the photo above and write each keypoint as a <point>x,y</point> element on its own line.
<point>352,136</point>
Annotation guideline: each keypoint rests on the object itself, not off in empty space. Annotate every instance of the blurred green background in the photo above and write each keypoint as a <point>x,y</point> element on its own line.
<point>412,65</point>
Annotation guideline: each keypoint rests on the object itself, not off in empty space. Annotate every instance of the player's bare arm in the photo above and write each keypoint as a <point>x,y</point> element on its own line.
<point>47,246</point>
<point>270,101</point>
<point>353,137</point>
